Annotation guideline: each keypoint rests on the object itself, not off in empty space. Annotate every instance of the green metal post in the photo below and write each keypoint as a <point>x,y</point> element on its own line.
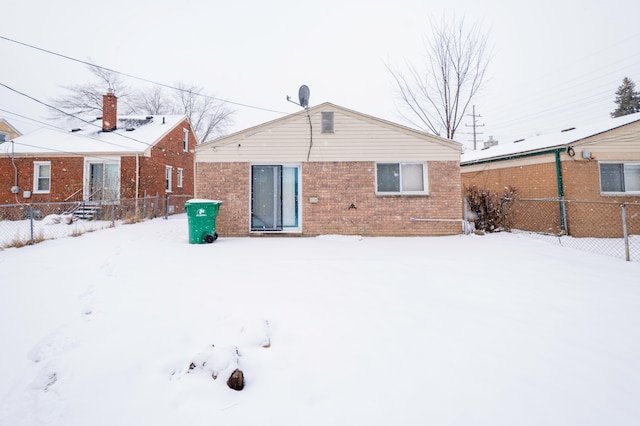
<point>563,211</point>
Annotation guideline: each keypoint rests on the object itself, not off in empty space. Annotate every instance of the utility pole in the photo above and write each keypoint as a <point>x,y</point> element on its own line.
<point>474,125</point>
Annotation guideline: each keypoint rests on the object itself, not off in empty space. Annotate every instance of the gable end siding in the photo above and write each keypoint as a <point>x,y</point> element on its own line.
<point>354,139</point>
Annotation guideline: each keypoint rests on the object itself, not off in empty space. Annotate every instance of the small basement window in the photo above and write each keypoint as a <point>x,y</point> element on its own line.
<point>327,122</point>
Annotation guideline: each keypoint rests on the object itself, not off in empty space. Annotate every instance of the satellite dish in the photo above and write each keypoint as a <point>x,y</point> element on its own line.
<point>303,96</point>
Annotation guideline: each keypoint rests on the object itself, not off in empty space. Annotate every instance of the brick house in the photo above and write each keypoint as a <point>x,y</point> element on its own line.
<point>109,158</point>
<point>599,162</point>
<point>331,170</point>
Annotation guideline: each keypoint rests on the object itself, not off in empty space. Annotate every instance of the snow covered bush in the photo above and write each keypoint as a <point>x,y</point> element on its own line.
<point>489,210</point>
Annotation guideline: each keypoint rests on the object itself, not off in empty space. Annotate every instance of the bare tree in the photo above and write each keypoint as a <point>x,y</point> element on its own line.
<point>84,99</point>
<point>208,115</point>
<point>151,101</point>
<point>455,66</point>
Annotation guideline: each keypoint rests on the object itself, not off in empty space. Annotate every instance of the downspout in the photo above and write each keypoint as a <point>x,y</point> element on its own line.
<point>15,189</point>
<point>563,211</point>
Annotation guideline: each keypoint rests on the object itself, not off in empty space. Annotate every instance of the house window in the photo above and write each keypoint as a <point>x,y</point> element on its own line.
<point>179,183</point>
<point>401,178</point>
<point>620,177</point>
<point>4,137</point>
<point>327,122</point>
<point>185,140</point>
<point>42,177</point>
<point>167,179</point>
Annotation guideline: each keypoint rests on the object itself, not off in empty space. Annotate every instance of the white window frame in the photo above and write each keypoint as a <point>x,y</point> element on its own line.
<point>168,178</point>
<point>179,178</point>
<point>185,140</point>
<point>5,136</point>
<point>425,179</point>
<point>624,164</point>
<point>36,177</point>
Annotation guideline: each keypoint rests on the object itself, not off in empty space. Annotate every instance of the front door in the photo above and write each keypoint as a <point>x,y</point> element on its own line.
<point>274,198</point>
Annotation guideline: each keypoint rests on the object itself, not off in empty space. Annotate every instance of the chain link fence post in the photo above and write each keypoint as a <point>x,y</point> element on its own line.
<point>144,205</point>
<point>563,217</point>
<point>31,241</point>
<point>625,235</point>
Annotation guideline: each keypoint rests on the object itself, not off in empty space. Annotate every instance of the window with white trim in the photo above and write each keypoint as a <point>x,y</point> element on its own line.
<point>4,137</point>
<point>401,178</point>
<point>620,178</point>
<point>185,140</point>
<point>41,177</point>
<point>168,178</point>
<point>179,183</point>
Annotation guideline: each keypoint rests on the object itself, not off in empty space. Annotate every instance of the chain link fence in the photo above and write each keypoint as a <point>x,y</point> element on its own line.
<point>27,224</point>
<point>609,228</point>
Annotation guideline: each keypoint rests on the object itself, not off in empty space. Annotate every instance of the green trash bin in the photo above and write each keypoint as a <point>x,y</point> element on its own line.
<point>202,220</point>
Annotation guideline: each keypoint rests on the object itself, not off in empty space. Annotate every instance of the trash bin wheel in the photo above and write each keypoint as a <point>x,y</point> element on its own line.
<point>210,238</point>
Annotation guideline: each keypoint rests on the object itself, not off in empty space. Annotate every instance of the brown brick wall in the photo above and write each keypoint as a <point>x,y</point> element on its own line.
<point>533,181</point>
<point>586,217</point>
<point>229,183</point>
<point>337,186</point>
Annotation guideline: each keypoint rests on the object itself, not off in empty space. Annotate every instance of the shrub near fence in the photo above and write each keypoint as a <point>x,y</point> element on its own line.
<point>26,224</point>
<point>606,228</point>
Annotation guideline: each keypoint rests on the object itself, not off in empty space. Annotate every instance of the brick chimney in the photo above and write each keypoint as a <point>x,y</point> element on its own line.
<point>109,111</point>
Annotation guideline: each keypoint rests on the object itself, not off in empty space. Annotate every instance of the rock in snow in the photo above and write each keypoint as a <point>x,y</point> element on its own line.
<point>236,380</point>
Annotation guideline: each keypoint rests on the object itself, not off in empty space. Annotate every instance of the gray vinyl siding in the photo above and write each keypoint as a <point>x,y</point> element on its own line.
<point>356,137</point>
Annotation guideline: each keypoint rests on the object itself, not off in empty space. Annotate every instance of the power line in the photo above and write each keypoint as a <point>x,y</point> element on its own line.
<point>71,115</point>
<point>61,130</point>
<point>152,146</point>
<point>138,78</point>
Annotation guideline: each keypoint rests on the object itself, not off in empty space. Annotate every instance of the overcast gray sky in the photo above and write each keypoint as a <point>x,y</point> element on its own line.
<point>556,64</point>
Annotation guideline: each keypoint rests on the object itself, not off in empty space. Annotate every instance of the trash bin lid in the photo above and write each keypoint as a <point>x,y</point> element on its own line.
<point>203,201</point>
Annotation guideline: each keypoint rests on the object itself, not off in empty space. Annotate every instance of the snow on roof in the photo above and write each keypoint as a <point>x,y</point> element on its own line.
<point>134,134</point>
<point>564,137</point>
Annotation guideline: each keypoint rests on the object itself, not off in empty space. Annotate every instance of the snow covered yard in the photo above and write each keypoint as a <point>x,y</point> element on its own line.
<point>465,330</point>
<point>14,233</point>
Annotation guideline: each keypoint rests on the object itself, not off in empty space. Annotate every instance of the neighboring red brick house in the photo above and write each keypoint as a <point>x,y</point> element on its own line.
<point>108,158</point>
<point>331,170</point>
<point>599,162</point>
